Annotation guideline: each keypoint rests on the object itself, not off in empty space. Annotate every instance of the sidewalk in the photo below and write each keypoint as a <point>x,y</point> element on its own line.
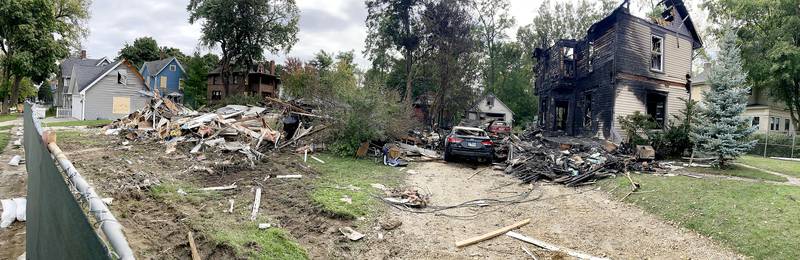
<point>13,183</point>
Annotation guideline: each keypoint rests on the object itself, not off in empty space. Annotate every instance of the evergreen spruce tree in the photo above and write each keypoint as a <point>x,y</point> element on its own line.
<point>723,131</point>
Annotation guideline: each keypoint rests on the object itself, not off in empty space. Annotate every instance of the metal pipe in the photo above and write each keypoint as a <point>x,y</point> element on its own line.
<point>108,223</point>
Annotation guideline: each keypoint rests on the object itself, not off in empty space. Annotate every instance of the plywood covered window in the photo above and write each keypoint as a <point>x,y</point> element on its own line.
<point>163,84</point>
<point>121,105</point>
<point>657,54</point>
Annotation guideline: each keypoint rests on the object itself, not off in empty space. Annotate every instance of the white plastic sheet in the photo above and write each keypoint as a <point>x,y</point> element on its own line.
<point>13,209</point>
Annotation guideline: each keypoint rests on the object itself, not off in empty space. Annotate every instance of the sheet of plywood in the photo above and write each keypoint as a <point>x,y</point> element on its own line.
<point>121,105</point>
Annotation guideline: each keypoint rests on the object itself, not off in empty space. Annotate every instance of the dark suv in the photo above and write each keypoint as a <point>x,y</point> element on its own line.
<point>468,142</point>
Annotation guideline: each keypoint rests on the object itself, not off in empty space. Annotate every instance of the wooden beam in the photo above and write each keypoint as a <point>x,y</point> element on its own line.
<point>492,234</point>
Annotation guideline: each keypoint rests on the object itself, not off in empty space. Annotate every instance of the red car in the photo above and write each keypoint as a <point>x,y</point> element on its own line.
<point>499,127</point>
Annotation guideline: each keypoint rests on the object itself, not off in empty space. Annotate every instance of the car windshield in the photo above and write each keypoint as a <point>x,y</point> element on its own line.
<point>462,131</point>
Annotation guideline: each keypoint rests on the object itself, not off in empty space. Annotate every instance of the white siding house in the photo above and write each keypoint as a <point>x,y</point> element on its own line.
<point>107,92</point>
<point>489,108</point>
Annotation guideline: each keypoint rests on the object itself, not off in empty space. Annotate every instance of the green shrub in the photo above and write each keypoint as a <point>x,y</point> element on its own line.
<point>672,141</point>
<point>370,114</point>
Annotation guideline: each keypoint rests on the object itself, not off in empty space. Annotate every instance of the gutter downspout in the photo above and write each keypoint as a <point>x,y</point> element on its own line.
<point>83,106</point>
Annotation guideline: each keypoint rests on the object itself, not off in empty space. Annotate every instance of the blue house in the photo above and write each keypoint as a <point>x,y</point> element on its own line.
<point>166,76</point>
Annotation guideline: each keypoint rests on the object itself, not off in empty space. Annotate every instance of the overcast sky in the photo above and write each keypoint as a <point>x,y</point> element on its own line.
<point>330,25</point>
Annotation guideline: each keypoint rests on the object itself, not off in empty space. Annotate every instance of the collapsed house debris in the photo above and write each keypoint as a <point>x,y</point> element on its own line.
<point>572,161</point>
<point>247,130</point>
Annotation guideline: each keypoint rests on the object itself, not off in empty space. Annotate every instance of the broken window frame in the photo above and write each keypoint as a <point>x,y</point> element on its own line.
<point>661,121</point>
<point>587,110</point>
<point>756,121</point>
<point>657,52</point>
<point>786,124</point>
<point>216,95</point>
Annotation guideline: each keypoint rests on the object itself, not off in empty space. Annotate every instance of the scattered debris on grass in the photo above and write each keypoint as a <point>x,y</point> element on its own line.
<point>351,234</point>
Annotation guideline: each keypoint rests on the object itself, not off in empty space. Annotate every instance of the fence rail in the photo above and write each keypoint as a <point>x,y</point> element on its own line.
<point>63,112</point>
<point>57,227</point>
<point>776,145</point>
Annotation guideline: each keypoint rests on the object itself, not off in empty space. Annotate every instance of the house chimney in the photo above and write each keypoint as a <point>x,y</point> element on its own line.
<point>272,67</point>
<point>83,54</point>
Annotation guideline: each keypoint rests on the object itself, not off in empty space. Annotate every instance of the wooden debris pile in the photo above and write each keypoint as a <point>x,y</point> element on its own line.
<point>533,158</point>
<point>233,128</point>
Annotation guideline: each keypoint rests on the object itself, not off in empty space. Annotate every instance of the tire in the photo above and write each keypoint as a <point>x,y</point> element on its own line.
<point>447,156</point>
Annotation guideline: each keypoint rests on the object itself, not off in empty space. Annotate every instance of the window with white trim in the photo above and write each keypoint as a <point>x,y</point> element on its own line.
<point>657,53</point>
<point>172,67</point>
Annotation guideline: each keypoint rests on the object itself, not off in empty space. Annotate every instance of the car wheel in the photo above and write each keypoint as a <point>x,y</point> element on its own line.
<point>447,156</point>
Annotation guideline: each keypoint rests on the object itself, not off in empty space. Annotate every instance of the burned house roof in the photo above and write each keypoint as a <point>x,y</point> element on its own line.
<point>669,5</point>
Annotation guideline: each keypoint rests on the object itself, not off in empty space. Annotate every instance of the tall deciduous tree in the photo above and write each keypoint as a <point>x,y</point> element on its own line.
<point>243,29</point>
<point>723,131</point>
<point>770,42</point>
<point>34,34</point>
<point>448,35</point>
<point>394,25</point>
<point>143,49</point>
<point>563,21</point>
<point>196,84</point>
<point>493,21</point>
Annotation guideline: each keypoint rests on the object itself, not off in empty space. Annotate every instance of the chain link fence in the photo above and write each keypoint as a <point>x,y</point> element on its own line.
<point>776,144</point>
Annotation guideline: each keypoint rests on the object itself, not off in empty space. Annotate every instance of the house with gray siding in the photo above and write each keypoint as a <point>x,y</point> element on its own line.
<point>489,109</point>
<point>624,64</point>
<point>61,94</point>
<point>106,92</point>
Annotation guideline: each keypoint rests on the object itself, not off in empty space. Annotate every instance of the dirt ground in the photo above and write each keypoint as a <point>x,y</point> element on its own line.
<point>583,219</point>
<point>12,185</point>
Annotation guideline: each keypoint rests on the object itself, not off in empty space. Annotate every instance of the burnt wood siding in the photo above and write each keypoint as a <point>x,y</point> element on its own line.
<point>634,52</point>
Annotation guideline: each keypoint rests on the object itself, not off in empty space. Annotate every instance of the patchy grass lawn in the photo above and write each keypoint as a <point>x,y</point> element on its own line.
<point>781,166</point>
<point>739,171</point>
<point>338,174</point>
<point>9,117</point>
<point>759,220</point>
<point>246,239</point>
<point>5,137</point>
<point>79,138</point>
<point>89,123</point>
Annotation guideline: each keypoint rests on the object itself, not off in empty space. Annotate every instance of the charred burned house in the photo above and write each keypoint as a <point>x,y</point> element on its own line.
<point>624,64</point>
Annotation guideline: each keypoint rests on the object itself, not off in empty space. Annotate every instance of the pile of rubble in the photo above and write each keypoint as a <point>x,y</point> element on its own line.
<point>572,162</point>
<point>234,128</point>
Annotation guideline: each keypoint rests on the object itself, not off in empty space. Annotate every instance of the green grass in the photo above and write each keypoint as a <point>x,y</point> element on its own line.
<point>738,171</point>
<point>89,123</point>
<point>78,137</point>
<point>338,173</point>
<point>9,117</point>
<point>5,137</point>
<point>759,220</point>
<point>246,239</point>
<point>781,166</point>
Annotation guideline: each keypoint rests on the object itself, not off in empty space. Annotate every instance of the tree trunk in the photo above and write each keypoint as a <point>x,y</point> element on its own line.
<point>409,72</point>
<point>14,95</point>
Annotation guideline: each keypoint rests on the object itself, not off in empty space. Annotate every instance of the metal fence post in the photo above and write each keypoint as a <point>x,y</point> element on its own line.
<point>766,142</point>
<point>794,135</point>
